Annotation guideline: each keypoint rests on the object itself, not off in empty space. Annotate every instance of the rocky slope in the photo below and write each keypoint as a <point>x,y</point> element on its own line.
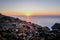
<point>16,29</point>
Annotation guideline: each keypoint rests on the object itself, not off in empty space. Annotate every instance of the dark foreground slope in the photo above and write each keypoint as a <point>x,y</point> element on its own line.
<point>16,29</point>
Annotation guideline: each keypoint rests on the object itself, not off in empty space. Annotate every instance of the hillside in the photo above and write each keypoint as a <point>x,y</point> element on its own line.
<point>16,29</point>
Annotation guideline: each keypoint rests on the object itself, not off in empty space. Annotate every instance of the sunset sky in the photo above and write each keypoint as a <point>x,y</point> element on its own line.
<point>30,7</point>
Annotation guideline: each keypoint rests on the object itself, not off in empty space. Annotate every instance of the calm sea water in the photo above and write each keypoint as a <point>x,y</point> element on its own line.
<point>43,20</point>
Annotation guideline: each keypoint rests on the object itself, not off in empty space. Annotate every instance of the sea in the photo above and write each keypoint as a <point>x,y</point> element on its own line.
<point>48,21</point>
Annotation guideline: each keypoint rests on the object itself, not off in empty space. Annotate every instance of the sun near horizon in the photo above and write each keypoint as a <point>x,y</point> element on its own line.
<point>28,13</point>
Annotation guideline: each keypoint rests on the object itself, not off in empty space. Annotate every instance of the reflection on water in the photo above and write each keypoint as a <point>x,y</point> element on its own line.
<point>28,18</point>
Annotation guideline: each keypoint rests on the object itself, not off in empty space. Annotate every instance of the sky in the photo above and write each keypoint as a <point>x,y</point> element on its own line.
<point>30,7</point>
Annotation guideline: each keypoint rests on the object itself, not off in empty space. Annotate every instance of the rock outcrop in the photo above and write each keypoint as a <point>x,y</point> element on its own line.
<point>56,26</point>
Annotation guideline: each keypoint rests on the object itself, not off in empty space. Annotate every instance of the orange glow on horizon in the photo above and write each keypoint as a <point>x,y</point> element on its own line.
<point>34,13</point>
